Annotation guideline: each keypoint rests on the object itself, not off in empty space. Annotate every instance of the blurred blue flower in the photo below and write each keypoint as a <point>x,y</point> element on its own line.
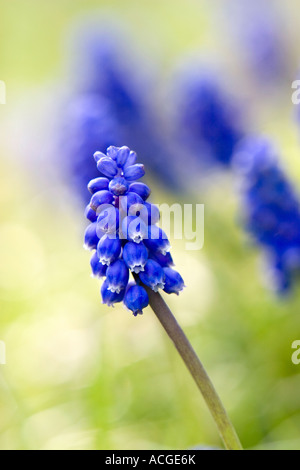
<point>111,103</point>
<point>208,120</point>
<point>259,30</point>
<point>106,69</point>
<point>87,122</point>
<point>271,208</point>
<point>134,244</point>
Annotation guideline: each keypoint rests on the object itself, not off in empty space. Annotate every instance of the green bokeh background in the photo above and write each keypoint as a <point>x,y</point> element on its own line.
<point>80,375</point>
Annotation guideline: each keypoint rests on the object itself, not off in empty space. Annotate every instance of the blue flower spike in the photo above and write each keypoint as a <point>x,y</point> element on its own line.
<point>124,234</point>
<point>209,119</point>
<point>271,209</point>
<point>122,254</point>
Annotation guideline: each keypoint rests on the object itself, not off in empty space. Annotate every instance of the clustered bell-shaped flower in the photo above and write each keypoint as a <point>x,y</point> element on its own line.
<point>86,122</point>
<point>271,209</point>
<point>108,105</point>
<point>124,235</point>
<point>209,120</point>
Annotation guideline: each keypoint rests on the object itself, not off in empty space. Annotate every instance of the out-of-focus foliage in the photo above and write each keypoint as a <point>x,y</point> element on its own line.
<point>80,376</point>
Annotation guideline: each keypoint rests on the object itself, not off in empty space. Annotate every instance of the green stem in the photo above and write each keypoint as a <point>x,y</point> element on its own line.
<point>194,365</point>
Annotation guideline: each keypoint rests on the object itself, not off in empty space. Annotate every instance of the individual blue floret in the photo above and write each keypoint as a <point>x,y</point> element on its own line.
<point>153,275</point>
<point>98,269</point>
<point>110,298</point>
<point>136,299</point>
<point>117,276</point>
<point>109,249</point>
<point>173,281</point>
<point>135,256</point>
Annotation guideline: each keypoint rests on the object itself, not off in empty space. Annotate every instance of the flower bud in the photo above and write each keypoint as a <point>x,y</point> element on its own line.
<point>109,249</point>
<point>173,281</point>
<point>117,276</point>
<point>131,160</point>
<point>135,256</point>
<point>100,198</point>
<point>122,156</point>
<point>91,238</point>
<point>118,186</point>
<point>97,184</point>
<point>107,167</point>
<point>153,275</point>
<point>90,214</point>
<point>134,172</point>
<point>110,298</point>
<point>157,240</point>
<point>98,269</point>
<point>141,189</point>
<point>136,299</point>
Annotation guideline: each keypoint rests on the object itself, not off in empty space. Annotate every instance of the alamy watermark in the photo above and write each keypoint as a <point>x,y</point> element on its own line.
<point>137,222</point>
<point>188,223</point>
<point>296,354</point>
<point>2,92</point>
<point>2,353</point>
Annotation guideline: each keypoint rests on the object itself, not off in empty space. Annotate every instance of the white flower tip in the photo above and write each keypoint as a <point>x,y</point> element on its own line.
<point>138,269</point>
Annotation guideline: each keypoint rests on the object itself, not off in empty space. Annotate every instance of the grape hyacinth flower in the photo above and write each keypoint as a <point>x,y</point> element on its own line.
<point>125,239</point>
<point>271,209</point>
<point>208,121</point>
<point>108,59</point>
<point>108,105</point>
<point>87,122</point>
<point>124,234</point>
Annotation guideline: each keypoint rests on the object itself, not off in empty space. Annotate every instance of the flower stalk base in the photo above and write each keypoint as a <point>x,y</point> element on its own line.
<point>194,365</point>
